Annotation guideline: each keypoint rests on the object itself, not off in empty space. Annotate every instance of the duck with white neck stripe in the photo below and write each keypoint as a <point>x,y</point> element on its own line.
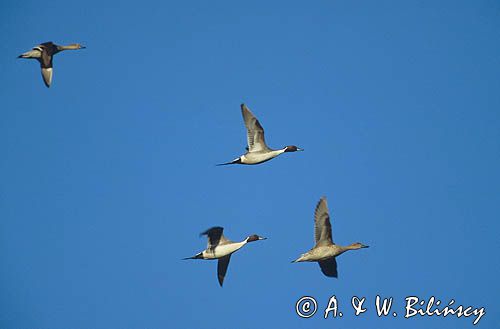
<point>221,248</point>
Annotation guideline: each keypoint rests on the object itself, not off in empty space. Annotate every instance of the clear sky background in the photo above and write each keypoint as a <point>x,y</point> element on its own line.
<point>108,177</point>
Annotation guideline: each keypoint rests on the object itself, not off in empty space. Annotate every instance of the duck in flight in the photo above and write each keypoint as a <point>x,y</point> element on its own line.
<point>44,53</point>
<point>257,150</point>
<point>325,251</point>
<point>221,248</point>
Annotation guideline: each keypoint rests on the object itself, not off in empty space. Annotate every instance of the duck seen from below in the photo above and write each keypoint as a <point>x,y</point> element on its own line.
<point>257,150</point>
<point>44,53</point>
<point>221,248</point>
<point>325,251</point>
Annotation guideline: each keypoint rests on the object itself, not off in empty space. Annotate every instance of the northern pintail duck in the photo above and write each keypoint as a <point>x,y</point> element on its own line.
<point>325,251</point>
<point>257,150</point>
<point>44,54</point>
<point>221,248</point>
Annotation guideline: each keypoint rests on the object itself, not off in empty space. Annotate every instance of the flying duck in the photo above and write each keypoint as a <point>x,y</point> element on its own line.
<point>325,251</point>
<point>257,150</point>
<point>221,248</point>
<point>44,54</point>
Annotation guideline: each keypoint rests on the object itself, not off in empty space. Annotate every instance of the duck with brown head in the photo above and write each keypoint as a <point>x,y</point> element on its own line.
<point>292,148</point>
<point>255,237</point>
<point>221,248</point>
<point>257,149</point>
<point>44,54</point>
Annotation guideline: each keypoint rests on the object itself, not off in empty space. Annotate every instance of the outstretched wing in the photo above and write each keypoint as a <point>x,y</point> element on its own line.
<point>215,237</point>
<point>222,268</point>
<point>322,226</point>
<point>255,132</point>
<point>329,267</point>
<point>36,52</point>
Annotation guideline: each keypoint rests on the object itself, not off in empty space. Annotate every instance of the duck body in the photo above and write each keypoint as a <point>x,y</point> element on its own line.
<point>221,249</point>
<point>251,158</point>
<point>257,149</point>
<point>321,253</point>
<point>325,251</point>
<point>44,53</point>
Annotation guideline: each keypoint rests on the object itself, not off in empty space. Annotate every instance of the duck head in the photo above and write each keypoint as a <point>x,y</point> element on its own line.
<point>358,245</point>
<point>255,237</point>
<point>292,148</point>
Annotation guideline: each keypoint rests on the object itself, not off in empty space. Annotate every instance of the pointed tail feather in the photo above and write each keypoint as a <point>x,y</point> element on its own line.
<point>300,259</point>
<point>197,256</point>
<point>238,160</point>
<point>224,164</point>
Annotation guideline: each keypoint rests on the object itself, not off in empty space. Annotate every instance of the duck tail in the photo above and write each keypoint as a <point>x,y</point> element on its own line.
<point>300,259</point>
<point>197,256</point>
<point>235,161</point>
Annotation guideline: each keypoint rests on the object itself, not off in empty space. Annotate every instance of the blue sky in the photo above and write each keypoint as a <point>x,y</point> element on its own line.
<point>108,177</point>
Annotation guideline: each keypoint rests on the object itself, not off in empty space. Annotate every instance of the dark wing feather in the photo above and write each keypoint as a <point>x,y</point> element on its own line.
<point>215,236</point>
<point>50,47</point>
<point>45,59</point>
<point>48,44</point>
<point>329,267</point>
<point>222,268</point>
